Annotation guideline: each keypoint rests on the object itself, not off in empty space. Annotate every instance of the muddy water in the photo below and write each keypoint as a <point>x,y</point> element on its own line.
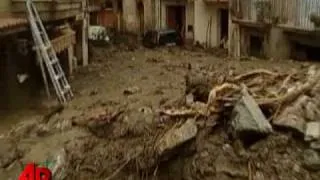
<point>12,117</point>
<point>19,109</point>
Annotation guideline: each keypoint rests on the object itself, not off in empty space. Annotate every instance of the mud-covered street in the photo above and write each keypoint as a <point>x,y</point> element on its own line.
<point>115,125</point>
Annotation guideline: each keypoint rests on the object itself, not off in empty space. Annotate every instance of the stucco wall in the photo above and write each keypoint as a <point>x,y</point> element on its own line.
<point>190,20</point>
<point>130,16</point>
<point>203,13</point>
<point>148,15</point>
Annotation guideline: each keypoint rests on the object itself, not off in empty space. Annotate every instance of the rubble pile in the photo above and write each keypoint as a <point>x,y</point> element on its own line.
<point>257,125</point>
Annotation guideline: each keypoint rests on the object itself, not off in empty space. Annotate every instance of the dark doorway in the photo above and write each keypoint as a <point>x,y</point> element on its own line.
<point>176,19</point>
<point>94,19</point>
<point>256,46</point>
<point>224,27</point>
<point>303,52</point>
<point>141,16</point>
<point>3,77</point>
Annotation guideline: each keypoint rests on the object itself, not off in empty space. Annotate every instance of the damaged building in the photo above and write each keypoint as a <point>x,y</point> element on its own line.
<point>67,26</point>
<point>205,22</point>
<point>275,29</point>
<point>130,16</point>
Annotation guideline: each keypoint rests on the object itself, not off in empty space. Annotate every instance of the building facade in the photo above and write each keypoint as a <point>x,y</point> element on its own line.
<point>203,22</point>
<point>67,26</point>
<point>275,28</point>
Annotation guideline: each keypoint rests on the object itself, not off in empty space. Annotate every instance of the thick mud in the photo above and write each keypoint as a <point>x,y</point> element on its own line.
<point>136,82</point>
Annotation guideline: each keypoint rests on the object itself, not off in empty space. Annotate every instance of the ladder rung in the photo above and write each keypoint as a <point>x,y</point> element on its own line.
<point>66,89</point>
<point>54,61</point>
<point>40,33</point>
<point>47,47</point>
<point>58,76</point>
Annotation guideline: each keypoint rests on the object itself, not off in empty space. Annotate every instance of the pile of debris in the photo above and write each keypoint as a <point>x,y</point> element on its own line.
<point>246,126</point>
<point>258,99</point>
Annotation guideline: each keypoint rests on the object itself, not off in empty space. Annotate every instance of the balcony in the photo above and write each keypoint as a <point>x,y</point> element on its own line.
<point>217,1</point>
<point>292,14</point>
<point>63,41</point>
<point>50,10</point>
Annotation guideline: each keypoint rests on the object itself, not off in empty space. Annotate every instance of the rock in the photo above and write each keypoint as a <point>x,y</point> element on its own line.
<point>189,99</point>
<point>311,159</point>
<point>312,131</point>
<point>315,145</point>
<point>199,84</point>
<point>227,166</point>
<point>247,117</point>
<point>131,90</point>
<point>296,168</point>
<point>312,112</point>
<point>8,154</point>
<point>293,116</point>
<point>93,92</point>
<point>177,136</point>
<point>259,175</point>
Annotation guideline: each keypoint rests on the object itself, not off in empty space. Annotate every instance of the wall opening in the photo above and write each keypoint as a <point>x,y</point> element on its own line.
<point>256,46</point>
<point>304,52</point>
<point>176,18</point>
<point>3,77</point>
<point>94,18</point>
<point>140,8</point>
<point>119,16</point>
<point>108,5</point>
<point>224,27</point>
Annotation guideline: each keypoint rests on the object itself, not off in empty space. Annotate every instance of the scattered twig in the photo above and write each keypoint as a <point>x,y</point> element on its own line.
<point>213,93</point>
<point>177,113</point>
<point>89,168</point>
<point>116,172</point>
<point>155,171</point>
<point>286,82</point>
<point>292,95</point>
<point>249,171</point>
<point>255,72</point>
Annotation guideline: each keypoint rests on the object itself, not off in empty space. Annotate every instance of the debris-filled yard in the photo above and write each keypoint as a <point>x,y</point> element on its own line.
<point>176,113</point>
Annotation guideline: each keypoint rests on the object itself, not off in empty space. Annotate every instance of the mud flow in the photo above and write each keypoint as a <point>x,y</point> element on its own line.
<point>173,113</point>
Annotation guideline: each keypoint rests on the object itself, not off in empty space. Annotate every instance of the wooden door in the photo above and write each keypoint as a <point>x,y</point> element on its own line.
<point>171,17</point>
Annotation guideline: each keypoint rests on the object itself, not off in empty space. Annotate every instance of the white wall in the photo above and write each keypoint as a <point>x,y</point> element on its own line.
<point>203,13</point>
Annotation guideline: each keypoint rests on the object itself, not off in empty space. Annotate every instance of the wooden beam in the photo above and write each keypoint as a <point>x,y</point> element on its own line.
<point>85,28</point>
<point>70,59</point>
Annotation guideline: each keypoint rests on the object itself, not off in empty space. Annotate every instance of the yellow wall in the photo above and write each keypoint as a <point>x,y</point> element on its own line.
<point>203,13</point>
<point>5,5</point>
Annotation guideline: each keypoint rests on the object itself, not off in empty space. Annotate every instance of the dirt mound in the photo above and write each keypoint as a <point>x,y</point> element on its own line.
<point>229,126</point>
<point>201,140</point>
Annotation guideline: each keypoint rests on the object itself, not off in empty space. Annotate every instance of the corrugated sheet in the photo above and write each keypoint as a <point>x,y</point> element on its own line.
<point>289,13</point>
